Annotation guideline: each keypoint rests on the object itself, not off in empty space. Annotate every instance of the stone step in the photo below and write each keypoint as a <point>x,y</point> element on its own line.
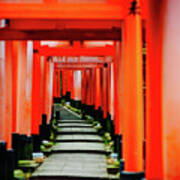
<point>76,130</point>
<point>77,125</point>
<point>77,147</point>
<point>73,121</point>
<point>73,166</point>
<point>79,138</point>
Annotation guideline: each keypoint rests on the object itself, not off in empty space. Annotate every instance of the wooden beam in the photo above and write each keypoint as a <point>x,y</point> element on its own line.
<point>70,34</point>
<point>78,66</point>
<point>51,24</point>
<point>77,51</point>
<point>61,11</point>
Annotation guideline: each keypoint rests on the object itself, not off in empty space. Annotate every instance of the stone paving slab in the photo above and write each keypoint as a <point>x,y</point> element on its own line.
<point>74,121</point>
<point>82,166</point>
<point>79,138</point>
<point>67,114</point>
<point>76,130</point>
<point>78,125</point>
<point>75,147</point>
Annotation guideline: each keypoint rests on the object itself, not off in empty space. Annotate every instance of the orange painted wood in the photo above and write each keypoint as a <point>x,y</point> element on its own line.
<point>22,69</point>
<point>88,95</point>
<point>63,34</point>
<point>50,1</point>
<point>109,88</point>
<point>105,92</point>
<point>6,92</point>
<point>77,85</point>
<point>118,69</point>
<point>55,86</point>
<point>46,24</point>
<point>98,89</point>
<point>77,51</point>
<point>48,87</point>
<point>69,80</point>
<point>14,83</point>
<point>61,11</point>
<point>133,122</point>
<point>154,82</point>
<point>36,108</point>
<point>64,87</point>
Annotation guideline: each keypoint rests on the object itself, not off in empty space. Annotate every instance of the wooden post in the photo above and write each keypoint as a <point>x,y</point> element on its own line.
<point>133,104</point>
<point>36,110</point>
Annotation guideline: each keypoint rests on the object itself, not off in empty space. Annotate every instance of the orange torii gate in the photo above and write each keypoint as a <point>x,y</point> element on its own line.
<point>37,22</point>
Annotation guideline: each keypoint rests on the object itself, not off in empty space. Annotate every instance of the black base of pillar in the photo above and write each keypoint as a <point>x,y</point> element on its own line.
<point>77,104</point>
<point>121,165</point>
<point>56,100</point>
<point>68,96</point>
<point>118,145</point>
<point>2,159</point>
<point>36,142</point>
<point>57,115</point>
<point>10,164</point>
<point>131,175</point>
<point>99,115</point>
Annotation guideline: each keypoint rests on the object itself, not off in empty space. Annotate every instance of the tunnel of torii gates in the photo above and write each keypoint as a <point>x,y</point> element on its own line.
<point>143,106</point>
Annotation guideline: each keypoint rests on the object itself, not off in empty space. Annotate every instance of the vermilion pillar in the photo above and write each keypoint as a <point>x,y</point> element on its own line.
<point>83,90</point>
<point>55,84</point>
<point>105,92</point>
<point>69,82</point>
<point>88,97</point>
<point>77,85</point>
<point>92,87</point>
<point>98,89</point>
<point>154,90</point>
<point>58,77</point>
<point>36,109</point>
<point>23,91</point>
<point>14,84</point>
<point>109,89</point>
<point>64,87</point>
<point>2,88</point>
<point>6,91</point>
<point>133,104</point>
<point>48,87</point>
<point>72,84</point>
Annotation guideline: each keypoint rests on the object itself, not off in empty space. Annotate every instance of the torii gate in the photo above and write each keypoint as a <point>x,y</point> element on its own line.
<point>101,22</point>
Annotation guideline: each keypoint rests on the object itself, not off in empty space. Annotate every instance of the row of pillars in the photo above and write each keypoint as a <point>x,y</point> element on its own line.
<point>25,88</point>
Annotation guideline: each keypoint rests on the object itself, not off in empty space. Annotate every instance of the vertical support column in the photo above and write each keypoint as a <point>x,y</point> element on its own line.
<point>105,91</point>
<point>83,87</point>
<point>55,84</point>
<point>154,92</point>
<point>77,88</point>
<point>14,84</point>
<point>72,84</point>
<point>24,78</point>
<point>119,108</point>
<point>42,82</point>
<point>58,76</point>
<point>36,110</point>
<point>6,91</point>
<point>28,103</point>
<point>2,88</point>
<point>98,89</point>
<point>64,90</point>
<point>133,117</point>
<point>48,86</point>
<point>69,82</point>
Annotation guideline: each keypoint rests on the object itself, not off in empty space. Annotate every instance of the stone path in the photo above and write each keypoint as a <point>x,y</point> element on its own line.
<point>78,154</point>
<point>79,138</point>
